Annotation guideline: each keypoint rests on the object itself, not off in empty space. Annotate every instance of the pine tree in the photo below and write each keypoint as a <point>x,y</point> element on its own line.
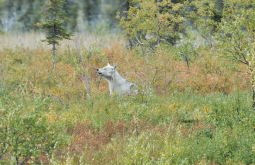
<point>54,25</point>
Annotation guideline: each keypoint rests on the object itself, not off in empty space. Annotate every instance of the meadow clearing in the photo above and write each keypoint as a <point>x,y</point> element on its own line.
<point>196,114</point>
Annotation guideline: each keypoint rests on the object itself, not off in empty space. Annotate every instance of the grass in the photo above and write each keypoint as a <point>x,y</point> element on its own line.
<point>196,115</point>
<point>181,129</point>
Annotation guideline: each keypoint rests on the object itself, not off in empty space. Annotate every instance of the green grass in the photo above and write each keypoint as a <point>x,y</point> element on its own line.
<point>189,134</point>
<point>181,128</point>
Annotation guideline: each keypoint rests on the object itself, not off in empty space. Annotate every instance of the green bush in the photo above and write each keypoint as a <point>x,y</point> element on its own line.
<point>25,136</point>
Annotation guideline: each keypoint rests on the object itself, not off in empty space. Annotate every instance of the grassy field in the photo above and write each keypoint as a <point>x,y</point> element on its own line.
<point>200,114</point>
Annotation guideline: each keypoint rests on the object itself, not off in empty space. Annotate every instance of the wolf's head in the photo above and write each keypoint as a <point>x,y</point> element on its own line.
<point>107,72</point>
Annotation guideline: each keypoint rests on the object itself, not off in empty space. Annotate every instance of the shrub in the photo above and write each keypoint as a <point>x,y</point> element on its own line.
<point>25,136</point>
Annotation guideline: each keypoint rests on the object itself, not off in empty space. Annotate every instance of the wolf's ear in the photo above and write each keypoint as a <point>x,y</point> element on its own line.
<point>114,66</point>
<point>108,64</point>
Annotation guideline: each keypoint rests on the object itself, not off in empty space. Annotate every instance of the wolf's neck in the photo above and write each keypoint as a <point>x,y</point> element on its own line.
<point>117,78</point>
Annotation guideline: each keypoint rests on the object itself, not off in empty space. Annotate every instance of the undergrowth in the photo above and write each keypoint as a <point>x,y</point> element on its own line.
<point>200,114</point>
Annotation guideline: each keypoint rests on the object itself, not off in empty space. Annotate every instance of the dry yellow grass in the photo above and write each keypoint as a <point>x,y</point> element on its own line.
<point>33,41</point>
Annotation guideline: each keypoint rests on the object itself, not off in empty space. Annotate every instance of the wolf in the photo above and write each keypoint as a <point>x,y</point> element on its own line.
<point>117,84</point>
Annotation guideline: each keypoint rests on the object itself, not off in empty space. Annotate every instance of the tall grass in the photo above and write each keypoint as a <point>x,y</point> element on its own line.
<point>196,115</point>
<point>33,41</point>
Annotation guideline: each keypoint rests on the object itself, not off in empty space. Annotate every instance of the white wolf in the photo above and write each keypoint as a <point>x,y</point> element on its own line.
<point>117,84</point>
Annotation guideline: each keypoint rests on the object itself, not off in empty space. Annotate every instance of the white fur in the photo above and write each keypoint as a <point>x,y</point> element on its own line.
<point>117,84</point>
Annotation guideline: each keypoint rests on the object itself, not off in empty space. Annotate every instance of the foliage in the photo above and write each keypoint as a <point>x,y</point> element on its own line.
<point>23,15</point>
<point>188,130</point>
<point>204,15</point>
<point>237,34</point>
<point>54,22</point>
<point>152,22</point>
<point>25,136</point>
<point>149,23</point>
<point>198,116</point>
<point>54,25</point>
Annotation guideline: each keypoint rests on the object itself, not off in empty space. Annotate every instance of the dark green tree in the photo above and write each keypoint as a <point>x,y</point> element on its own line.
<point>54,24</point>
<point>219,6</point>
<point>31,14</point>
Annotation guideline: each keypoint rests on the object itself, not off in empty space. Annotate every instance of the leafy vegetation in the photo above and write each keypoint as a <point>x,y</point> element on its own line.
<point>25,133</point>
<point>192,60</point>
<point>170,122</point>
<point>237,35</point>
